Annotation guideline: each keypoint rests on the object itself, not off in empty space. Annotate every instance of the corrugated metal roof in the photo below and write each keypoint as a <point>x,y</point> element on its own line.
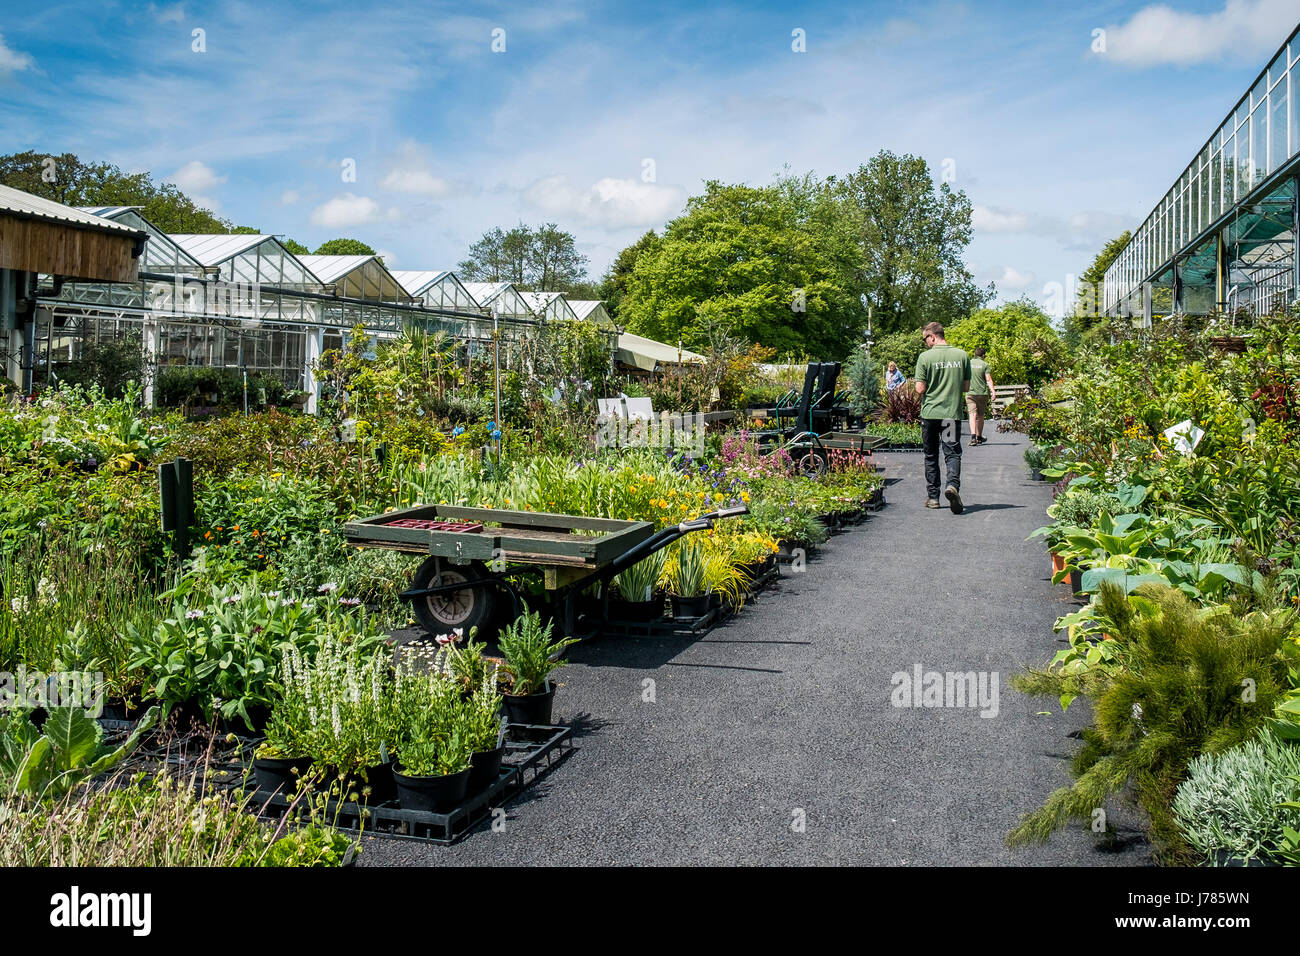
<point>216,248</point>
<point>108,212</point>
<point>584,307</point>
<point>17,202</point>
<point>416,281</point>
<point>330,268</point>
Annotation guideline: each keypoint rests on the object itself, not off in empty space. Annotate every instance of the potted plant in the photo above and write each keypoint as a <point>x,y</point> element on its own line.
<point>724,581</point>
<point>283,758</point>
<point>486,736</point>
<point>689,597</point>
<point>432,742</point>
<point>641,600</point>
<point>348,689</point>
<point>530,657</point>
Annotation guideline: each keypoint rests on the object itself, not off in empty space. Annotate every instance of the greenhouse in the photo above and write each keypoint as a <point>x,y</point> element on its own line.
<point>502,299</point>
<point>357,277</point>
<point>549,306</point>
<point>591,310</point>
<point>1223,237</point>
<point>437,289</point>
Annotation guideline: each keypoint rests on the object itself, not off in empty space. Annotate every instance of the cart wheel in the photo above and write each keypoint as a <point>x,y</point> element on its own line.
<point>444,612</point>
<point>812,465</point>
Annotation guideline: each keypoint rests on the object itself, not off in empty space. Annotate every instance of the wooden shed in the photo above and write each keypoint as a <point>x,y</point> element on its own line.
<point>41,237</point>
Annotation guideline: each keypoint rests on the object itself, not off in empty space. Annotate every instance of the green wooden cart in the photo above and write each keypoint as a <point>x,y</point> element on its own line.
<point>475,553</point>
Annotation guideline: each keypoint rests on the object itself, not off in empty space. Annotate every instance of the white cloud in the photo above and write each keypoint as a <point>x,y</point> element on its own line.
<point>289,197</point>
<point>1158,34</point>
<point>390,259</point>
<point>990,219</point>
<point>609,202</point>
<point>350,210</point>
<point>1013,278</point>
<point>196,176</point>
<point>418,181</point>
<point>412,173</point>
<point>11,60</point>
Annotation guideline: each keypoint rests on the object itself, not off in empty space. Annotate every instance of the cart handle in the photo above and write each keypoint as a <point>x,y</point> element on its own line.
<point>706,521</point>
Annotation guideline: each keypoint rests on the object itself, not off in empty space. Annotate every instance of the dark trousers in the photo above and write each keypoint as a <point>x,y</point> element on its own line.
<point>945,432</point>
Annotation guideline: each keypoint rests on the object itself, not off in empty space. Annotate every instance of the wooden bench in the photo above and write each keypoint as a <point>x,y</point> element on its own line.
<point>1006,395</point>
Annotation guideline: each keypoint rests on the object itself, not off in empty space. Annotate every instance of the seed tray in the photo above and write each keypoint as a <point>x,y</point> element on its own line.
<point>531,751</point>
<point>427,524</point>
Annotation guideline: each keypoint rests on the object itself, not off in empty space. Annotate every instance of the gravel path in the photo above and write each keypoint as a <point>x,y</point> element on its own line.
<point>784,714</point>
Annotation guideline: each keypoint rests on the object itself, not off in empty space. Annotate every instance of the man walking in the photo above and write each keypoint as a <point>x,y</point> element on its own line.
<point>980,395</point>
<point>943,373</point>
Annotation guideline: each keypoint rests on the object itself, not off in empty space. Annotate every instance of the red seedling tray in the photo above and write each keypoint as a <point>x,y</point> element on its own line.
<point>428,524</point>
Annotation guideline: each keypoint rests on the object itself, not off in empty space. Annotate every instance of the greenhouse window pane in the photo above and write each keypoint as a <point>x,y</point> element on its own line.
<point>1258,145</point>
<point>1258,94</point>
<point>1277,68</point>
<point>1216,185</point>
<point>1277,151</point>
<point>1293,108</point>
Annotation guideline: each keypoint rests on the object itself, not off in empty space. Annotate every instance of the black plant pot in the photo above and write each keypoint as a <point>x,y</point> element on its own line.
<point>1076,580</point>
<point>258,716</point>
<point>689,607</point>
<point>378,778</point>
<point>436,794</point>
<point>530,708</point>
<point>485,768</point>
<point>277,773</point>
<point>640,611</point>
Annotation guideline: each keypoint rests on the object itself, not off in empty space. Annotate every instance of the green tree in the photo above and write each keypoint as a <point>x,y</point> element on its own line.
<point>909,236</point>
<point>1023,347</point>
<point>344,247</point>
<point>66,179</point>
<point>762,263</point>
<point>1086,320</point>
<point>902,348</point>
<point>614,284</point>
<point>297,248</point>
<point>545,259</point>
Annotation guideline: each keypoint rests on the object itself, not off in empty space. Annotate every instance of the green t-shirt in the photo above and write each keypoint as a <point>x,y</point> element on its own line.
<point>979,368</point>
<point>943,369</point>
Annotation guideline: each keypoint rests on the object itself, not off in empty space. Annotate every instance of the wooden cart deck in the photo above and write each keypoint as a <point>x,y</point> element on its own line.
<point>531,537</point>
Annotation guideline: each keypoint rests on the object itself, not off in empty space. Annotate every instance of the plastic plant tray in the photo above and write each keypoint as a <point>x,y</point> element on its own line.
<point>531,750</point>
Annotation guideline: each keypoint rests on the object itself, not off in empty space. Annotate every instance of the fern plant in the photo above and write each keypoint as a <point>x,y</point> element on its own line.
<point>1194,681</point>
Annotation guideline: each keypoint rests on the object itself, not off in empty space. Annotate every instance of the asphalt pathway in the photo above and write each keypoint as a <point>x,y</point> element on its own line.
<point>774,741</point>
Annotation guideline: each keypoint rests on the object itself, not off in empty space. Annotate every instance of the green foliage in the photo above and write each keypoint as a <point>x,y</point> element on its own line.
<point>1233,802</point>
<point>1194,682</point>
<point>897,433</point>
<point>69,748</point>
<point>763,263</point>
<point>110,366</point>
<point>102,184</point>
<point>687,570</point>
<point>638,583</point>
<point>344,247</point>
<point>1023,347</point>
<point>863,375</point>
<point>222,645</point>
<point>251,517</point>
<point>541,259</point>
<point>177,385</point>
<point>531,655</point>
<point>1085,323</point>
<point>902,348</point>
<point>907,237</point>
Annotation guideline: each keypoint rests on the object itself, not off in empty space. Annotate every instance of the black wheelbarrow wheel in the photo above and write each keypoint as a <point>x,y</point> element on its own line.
<point>811,464</point>
<point>445,611</point>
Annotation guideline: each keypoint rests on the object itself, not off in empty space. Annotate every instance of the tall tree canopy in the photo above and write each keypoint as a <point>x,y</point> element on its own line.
<point>789,265</point>
<point>542,259</point>
<point>66,179</point>
<point>908,235</point>
<point>1086,316</point>
<point>762,263</point>
<point>344,247</point>
<point>1023,347</point>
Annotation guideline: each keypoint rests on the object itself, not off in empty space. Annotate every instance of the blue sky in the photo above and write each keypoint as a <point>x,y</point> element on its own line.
<point>605,117</point>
